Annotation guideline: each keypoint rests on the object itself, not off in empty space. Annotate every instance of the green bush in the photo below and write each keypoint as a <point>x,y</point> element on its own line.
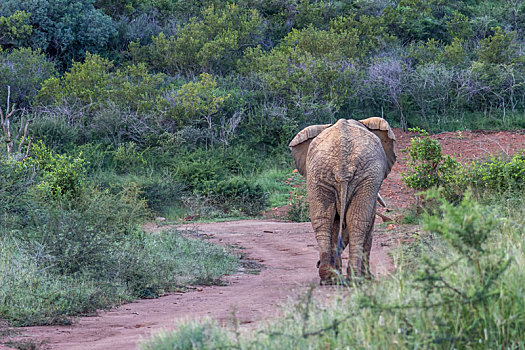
<point>15,29</point>
<point>426,165</point>
<point>239,194</point>
<point>83,236</point>
<point>212,43</point>
<point>427,168</point>
<point>195,335</point>
<point>15,180</point>
<point>128,158</point>
<point>95,82</point>
<point>159,187</point>
<point>32,292</point>
<point>78,248</point>
<point>299,210</point>
<point>24,70</point>
<point>54,130</point>
<point>499,175</point>
<point>61,176</point>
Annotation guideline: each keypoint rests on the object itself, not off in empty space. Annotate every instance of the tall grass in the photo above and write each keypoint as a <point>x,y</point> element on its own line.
<point>71,247</point>
<point>33,292</point>
<point>275,182</point>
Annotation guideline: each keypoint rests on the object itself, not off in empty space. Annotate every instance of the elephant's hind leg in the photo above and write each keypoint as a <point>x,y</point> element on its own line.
<point>360,222</point>
<point>322,214</point>
<point>367,247</point>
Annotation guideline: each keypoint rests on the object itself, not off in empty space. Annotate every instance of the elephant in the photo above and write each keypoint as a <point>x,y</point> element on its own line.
<point>344,165</point>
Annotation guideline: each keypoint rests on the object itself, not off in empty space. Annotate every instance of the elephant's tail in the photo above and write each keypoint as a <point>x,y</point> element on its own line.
<point>342,215</point>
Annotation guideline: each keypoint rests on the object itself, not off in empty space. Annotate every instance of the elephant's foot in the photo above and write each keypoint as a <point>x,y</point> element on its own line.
<point>328,274</point>
<point>328,271</point>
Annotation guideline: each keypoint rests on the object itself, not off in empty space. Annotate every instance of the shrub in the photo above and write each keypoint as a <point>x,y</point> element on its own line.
<point>128,158</point>
<point>15,180</point>
<point>426,165</point>
<point>239,194</point>
<point>427,168</point>
<point>32,292</point>
<point>211,44</point>
<point>95,82</point>
<point>24,70</point>
<point>497,174</point>
<point>61,176</point>
<point>194,335</point>
<point>197,103</point>
<point>83,238</point>
<point>54,129</point>
<point>14,28</point>
<point>299,210</point>
<point>159,187</point>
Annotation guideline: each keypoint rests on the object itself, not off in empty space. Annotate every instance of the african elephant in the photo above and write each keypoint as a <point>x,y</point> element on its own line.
<point>344,165</point>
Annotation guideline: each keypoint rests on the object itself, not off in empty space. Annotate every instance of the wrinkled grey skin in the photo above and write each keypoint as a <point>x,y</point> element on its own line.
<point>344,164</point>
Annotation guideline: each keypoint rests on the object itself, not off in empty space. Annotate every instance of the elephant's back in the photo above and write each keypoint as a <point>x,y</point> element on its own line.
<point>343,150</point>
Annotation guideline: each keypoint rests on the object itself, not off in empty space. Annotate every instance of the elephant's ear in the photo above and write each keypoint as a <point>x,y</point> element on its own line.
<point>300,143</point>
<point>380,127</point>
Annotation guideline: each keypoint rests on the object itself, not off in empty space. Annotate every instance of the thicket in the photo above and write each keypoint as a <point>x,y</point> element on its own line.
<point>146,83</point>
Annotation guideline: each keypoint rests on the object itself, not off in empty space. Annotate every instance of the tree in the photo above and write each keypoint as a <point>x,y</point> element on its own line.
<point>24,70</point>
<point>498,48</point>
<point>210,44</point>
<point>64,29</point>
<point>14,29</point>
<point>200,99</point>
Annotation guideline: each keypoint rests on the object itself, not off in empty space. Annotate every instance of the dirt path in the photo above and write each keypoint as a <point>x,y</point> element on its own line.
<point>287,253</point>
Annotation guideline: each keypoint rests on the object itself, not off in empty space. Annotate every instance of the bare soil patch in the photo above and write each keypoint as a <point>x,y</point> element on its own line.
<point>280,264</point>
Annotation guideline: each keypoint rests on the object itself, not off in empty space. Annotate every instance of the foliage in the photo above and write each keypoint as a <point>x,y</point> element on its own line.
<point>24,70</point>
<point>299,210</point>
<point>424,19</point>
<point>127,158</point>
<point>32,293</point>
<point>239,194</point>
<point>64,29</point>
<point>498,174</point>
<point>201,335</point>
<point>198,100</point>
<point>74,248</point>
<point>210,44</point>
<point>62,176</point>
<point>316,66</point>
<point>498,48</point>
<point>15,178</point>
<point>95,82</point>
<point>14,28</point>
<point>427,166</point>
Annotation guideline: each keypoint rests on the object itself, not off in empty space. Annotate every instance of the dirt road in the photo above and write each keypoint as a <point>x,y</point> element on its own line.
<point>286,252</point>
